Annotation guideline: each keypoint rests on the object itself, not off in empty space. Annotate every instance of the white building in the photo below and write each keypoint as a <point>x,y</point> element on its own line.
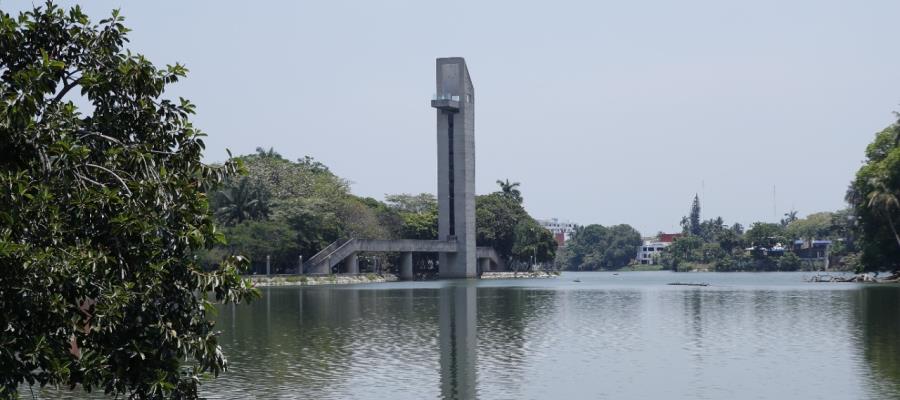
<point>562,230</point>
<point>650,251</point>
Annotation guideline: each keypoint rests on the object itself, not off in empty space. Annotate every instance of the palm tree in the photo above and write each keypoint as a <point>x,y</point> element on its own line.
<point>240,202</point>
<point>271,153</point>
<point>789,217</point>
<point>510,189</point>
<point>883,201</point>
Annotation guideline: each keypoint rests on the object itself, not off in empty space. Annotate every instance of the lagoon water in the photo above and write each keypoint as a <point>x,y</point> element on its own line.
<point>610,336</point>
<point>624,336</point>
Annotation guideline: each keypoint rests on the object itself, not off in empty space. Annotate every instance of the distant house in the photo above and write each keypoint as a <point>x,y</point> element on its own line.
<point>812,250</point>
<point>562,230</point>
<point>775,251</point>
<point>649,251</point>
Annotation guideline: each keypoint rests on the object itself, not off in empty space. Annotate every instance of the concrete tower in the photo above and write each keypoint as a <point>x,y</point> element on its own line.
<point>455,104</point>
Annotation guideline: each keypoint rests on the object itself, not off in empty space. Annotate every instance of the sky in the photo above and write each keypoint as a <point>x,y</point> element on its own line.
<point>607,112</point>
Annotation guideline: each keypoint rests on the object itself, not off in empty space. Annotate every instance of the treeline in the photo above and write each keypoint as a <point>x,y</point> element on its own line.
<point>863,237</point>
<point>596,247</point>
<point>285,209</point>
<point>715,246</point>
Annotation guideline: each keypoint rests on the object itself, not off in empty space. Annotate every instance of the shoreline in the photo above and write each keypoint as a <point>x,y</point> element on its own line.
<point>318,280</point>
<point>340,279</point>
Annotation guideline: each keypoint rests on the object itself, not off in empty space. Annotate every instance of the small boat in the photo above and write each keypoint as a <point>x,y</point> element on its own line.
<point>688,284</point>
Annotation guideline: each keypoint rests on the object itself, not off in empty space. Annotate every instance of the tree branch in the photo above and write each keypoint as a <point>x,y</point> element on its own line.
<point>122,181</point>
<point>65,90</point>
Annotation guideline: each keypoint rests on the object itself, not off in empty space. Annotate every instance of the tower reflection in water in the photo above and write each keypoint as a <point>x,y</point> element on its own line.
<point>458,340</point>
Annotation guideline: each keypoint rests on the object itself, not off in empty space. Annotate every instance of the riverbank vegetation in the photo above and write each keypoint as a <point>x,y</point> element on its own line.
<point>874,197</point>
<point>283,209</point>
<point>596,247</point>
<point>863,237</point>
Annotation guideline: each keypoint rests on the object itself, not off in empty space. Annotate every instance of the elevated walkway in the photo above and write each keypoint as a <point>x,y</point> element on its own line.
<point>344,252</point>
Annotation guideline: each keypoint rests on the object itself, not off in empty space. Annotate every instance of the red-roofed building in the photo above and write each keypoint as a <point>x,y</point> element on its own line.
<point>668,237</point>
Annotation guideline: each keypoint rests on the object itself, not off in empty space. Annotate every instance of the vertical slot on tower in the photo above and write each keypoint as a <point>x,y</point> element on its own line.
<point>452,190</point>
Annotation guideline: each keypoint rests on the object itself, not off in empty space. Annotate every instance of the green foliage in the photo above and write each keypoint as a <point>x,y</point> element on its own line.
<point>241,200</point>
<point>420,225</point>
<point>788,262</point>
<point>510,189</point>
<point>814,226</point>
<point>695,216</point>
<point>874,195</point>
<point>595,247</point>
<point>496,217</point>
<point>101,212</point>
<point>258,239</point>
<point>502,223</point>
<point>789,217</point>
<point>299,207</point>
<point>407,203</point>
<point>533,242</point>
<point>765,235</point>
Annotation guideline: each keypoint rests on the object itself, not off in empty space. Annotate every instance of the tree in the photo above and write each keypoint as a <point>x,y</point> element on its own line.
<point>532,242</point>
<point>594,247</point>
<point>789,262</point>
<point>510,189</point>
<point>502,223</point>
<point>685,249</point>
<point>882,200</point>
<point>422,202</point>
<point>765,235</point>
<point>259,239</point>
<point>102,211</point>
<point>271,153</point>
<point>496,217</point>
<point>423,225</point>
<point>873,195</point>
<point>240,201</point>
<point>814,226</point>
<point>789,217</point>
<point>691,225</point>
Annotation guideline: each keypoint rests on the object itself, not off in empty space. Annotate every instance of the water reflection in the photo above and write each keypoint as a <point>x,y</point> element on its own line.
<point>458,340</point>
<point>878,319</point>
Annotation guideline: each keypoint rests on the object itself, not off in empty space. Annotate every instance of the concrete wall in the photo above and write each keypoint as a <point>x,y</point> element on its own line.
<point>452,78</point>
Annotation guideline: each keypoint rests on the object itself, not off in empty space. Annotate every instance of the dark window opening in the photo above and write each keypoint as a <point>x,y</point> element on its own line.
<point>451,214</point>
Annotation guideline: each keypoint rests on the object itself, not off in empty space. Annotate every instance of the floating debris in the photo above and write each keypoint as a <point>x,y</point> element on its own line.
<point>688,284</point>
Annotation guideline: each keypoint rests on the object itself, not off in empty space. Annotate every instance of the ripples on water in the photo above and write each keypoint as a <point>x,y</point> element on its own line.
<point>747,336</point>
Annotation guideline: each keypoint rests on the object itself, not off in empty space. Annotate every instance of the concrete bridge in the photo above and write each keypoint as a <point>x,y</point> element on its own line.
<point>344,253</point>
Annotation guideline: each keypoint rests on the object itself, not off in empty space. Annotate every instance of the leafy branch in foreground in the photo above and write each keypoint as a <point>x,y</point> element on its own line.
<point>100,216</point>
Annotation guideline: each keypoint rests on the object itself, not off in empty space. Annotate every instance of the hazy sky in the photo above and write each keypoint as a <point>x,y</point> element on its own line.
<point>606,112</point>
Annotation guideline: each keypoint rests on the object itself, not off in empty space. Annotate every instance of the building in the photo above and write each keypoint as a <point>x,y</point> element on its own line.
<point>650,250</point>
<point>455,109</point>
<point>813,249</point>
<point>562,230</point>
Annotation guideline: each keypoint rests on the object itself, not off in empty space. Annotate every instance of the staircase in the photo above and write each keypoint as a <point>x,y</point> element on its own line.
<point>326,258</point>
<point>341,249</point>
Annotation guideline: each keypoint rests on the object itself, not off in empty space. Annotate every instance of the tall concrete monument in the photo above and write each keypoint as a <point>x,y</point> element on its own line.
<point>454,101</point>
